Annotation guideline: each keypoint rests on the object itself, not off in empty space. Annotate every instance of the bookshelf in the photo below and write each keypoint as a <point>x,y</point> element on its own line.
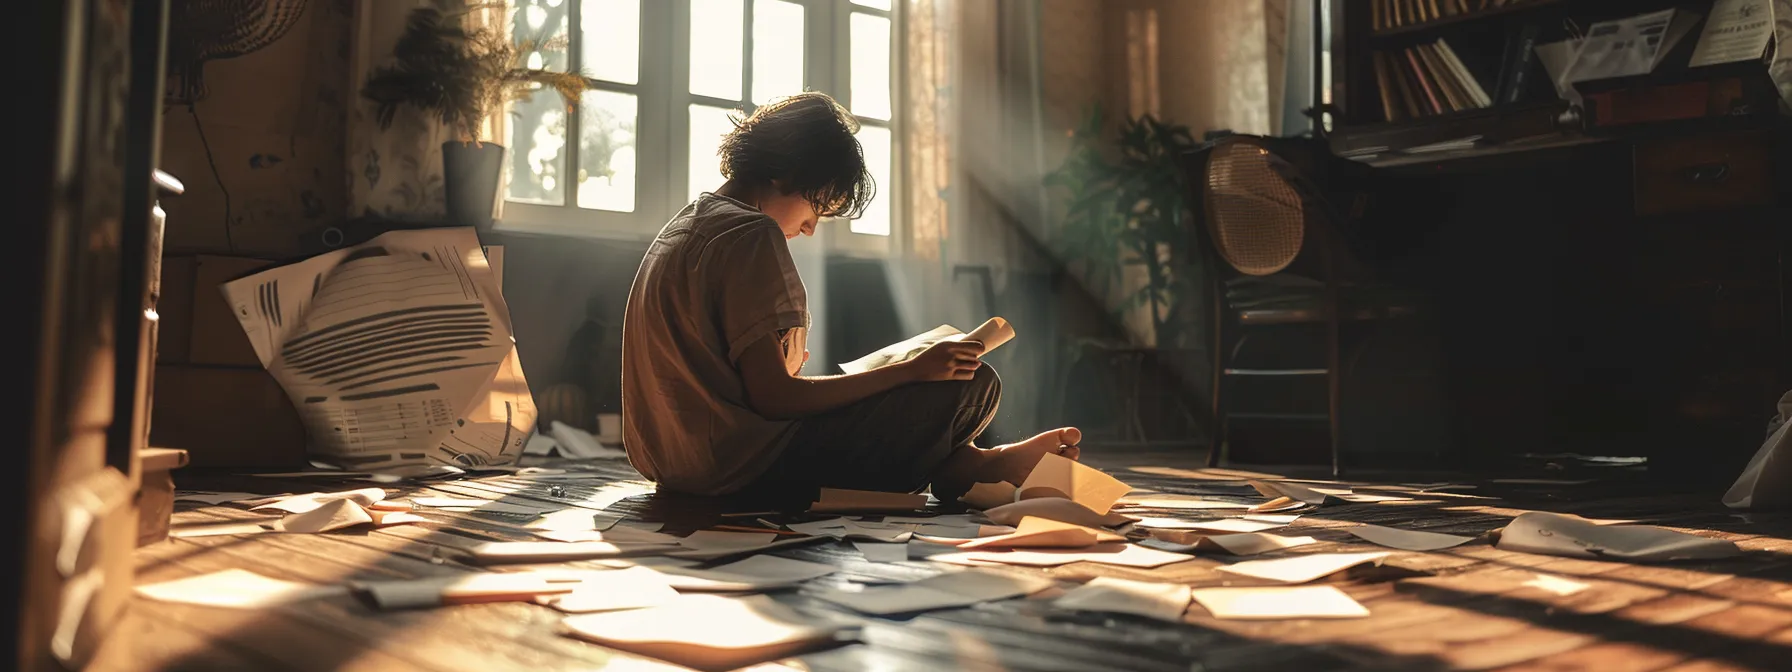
<point>1409,73</point>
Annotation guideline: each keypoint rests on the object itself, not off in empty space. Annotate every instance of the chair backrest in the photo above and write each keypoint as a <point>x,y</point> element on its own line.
<point>1256,220</point>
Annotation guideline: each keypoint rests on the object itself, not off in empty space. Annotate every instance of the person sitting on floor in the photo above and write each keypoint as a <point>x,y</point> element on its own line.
<point>714,332</point>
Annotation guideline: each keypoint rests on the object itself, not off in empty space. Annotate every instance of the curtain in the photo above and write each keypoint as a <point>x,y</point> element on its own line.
<point>929,28</point>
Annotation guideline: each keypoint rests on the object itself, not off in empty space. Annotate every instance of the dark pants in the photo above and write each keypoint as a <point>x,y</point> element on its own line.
<point>891,442</point>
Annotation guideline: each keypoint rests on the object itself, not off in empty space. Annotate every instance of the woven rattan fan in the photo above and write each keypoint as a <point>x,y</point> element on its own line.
<point>1255,217</point>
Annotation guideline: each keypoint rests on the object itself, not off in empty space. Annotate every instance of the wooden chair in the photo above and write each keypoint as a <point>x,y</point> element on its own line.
<point>1271,236</point>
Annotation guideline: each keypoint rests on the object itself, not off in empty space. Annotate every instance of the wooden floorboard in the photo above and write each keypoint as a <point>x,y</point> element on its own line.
<point>1462,608</point>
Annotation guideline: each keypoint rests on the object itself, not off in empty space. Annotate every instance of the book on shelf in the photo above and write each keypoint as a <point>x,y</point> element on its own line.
<point>1426,79</point>
<point>1386,14</point>
<point>1516,64</point>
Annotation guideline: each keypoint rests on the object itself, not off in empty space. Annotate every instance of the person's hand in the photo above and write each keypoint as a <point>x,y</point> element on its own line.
<point>946,360</point>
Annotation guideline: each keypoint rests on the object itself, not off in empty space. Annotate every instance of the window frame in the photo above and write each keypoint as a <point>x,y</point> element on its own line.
<point>662,128</point>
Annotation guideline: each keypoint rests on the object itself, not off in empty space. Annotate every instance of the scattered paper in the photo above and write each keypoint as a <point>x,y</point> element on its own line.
<point>312,500</point>
<point>707,632</point>
<point>464,589</point>
<point>944,591</point>
<point>618,535</point>
<point>513,552</point>
<point>540,444</point>
<point>878,552</point>
<point>1059,476</point>
<point>960,533</point>
<point>1062,510</point>
<point>614,590</point>
<point>385,518</point>
<point>458,503</point>
<point>214,498</point>
<point>715,540</point>
<point>841,528</point>
<point>985,496</point>
<point>1278,602</point>
<point>1117,554</point>
<point>1045,533</point>
<point>1629,46</point>
<point>1162,601</point>
<point>726,549</point>
<point>1280,504</point>
<point>1238,525</point>
<point>1181,502</point>
<point>756,573</point>
<point>836,499</point>
<point>1766,482</point>
<point>574,520</point>
<point>410,323</point>
<point>332,515</point>
<point>1294,491</point>
<point>1232,544</point>
<point>1556,585</point>
<point>1302,568</point>
<point>579,444</point>
<point>237,589</point>
<point>1576,537</point>
<point>1407,540</point>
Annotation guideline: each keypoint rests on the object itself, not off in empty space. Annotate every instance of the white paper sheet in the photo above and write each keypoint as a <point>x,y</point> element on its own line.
<point>1251,543</point>
<point>1629,46</point>
<point>1062,510</point>
<point>511,552</point>
<point>312,500</point>
<point>756,573</point>
<point>706,631</point>
<point>1302,568</point>
<point>1233,525</point>
<point>945,591</point>
<point>1193,502</point>
<point>1576,537</point>
<point>332,516</point>
<point>1059,476</point>
<point>1294,491</point>
<point>463,504</point>
<point>1162,601</point>
<point>396,351</point>
<point>879,552</point>
<point>614,590</point>
<point>1767,480</point>
<point>1117,554</point>
<point>581,445</point>
<point>237,589</point>
<point>615,535</point>
<point>1556,585</point>
<point>1278,602</point>
<point>1045,533</point>
<point>1739,30</point>
<point>1407,540</point>
<point>464,589</point>
<point>993,333</point>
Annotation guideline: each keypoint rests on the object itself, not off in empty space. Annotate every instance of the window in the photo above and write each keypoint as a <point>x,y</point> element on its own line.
<point>665,75</point>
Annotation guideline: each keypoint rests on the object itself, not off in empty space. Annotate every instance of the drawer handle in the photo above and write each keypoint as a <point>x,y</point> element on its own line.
<point>1707,173</point>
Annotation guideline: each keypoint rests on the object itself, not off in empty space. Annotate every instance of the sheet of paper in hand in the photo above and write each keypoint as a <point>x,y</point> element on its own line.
<point>992,334</point>
<point>397,351</point>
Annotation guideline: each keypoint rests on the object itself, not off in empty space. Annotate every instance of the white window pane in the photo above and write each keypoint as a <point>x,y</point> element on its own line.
<point>878,4</point>
<point>717,32</point>
<point>537,149</point>
<point>870,66</point>
<point>777,49</point>
<point>610,39</point>
<point>876,220</point>
<point>607,151</point>
<point>538,28</point>
<point>708,125</point>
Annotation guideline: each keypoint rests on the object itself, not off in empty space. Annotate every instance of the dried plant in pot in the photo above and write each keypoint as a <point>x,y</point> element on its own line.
<point>461,77</point>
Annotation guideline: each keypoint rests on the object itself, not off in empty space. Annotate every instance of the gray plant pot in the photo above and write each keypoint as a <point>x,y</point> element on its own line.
<point>470,182</point>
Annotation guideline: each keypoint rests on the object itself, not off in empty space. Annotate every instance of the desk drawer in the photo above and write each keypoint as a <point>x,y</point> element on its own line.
<point>1704,173</point>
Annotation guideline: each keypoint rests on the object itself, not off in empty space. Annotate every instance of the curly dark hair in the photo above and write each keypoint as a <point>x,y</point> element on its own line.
<point>806,143</point>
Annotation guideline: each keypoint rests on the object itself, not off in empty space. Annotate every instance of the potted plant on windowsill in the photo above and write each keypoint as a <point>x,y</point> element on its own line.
<point>462,76</point>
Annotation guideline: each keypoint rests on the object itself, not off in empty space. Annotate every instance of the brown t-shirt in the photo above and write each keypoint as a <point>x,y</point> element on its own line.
<point>716,280</point>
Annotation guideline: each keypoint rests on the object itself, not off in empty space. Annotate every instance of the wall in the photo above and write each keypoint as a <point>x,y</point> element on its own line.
<point>272,125</point>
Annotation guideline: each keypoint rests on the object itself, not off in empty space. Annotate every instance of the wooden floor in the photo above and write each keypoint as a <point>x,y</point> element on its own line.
<point>1463,608</point>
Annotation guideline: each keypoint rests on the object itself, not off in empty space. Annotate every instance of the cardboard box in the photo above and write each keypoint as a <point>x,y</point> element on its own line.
<point>226,417</point>
<point>155,496</point>
<point>197,324</point>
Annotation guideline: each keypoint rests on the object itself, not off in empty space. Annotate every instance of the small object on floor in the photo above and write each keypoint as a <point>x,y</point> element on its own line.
<point>707,632</point>
<point>613,590</point>
<point>1045,533</point>
<point>1162,601</point>
<point>1228,525</point>
<point>1250,543</point>
<point>836,499</point>
<point>944,591</point>
<point>1407,540</point>
<point>985,496</point>
<point>1278,602</point>
<point>1577,537</point>
<point>881,552</point>
<point>312,500</point>
<point>1062,510</point>
<point>756,573</point>
<point>1302,568</point>
<point>557,491</point>
<point>1117,554</point>
<point>465,589</point>
<point>1059,476</point>
<point>236,589</point>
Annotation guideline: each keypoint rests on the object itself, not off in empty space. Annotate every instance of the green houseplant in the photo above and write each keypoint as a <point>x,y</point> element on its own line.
<point>1125,205</point>
<point>461,77</point>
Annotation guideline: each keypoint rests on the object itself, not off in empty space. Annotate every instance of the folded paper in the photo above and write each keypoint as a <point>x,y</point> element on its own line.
<point>1250,543</point>
<point>1059,476</point>
<point>1162,601</point>
<point>1407,540</point>
<point>397,351</point>
<point>992,334</point>
<point>1767,480</point>
<point>1576,537</point>
<point>1302,568</point>
<point>1062,510</point>
<point>1044,533</point>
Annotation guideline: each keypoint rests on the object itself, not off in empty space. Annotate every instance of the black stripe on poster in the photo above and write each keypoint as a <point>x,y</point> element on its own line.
<point>381,394</point>
<point>412,374</point>
<point>388,354</point>
<point>413,336</point>
<point>350,324</point>
<point>443,321</point>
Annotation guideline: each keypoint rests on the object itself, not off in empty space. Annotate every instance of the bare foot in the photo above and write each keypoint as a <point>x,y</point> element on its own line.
<point>1011,463</point>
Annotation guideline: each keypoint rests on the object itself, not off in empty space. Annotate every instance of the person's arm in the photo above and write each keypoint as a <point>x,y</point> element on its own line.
<point>774,392</point>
